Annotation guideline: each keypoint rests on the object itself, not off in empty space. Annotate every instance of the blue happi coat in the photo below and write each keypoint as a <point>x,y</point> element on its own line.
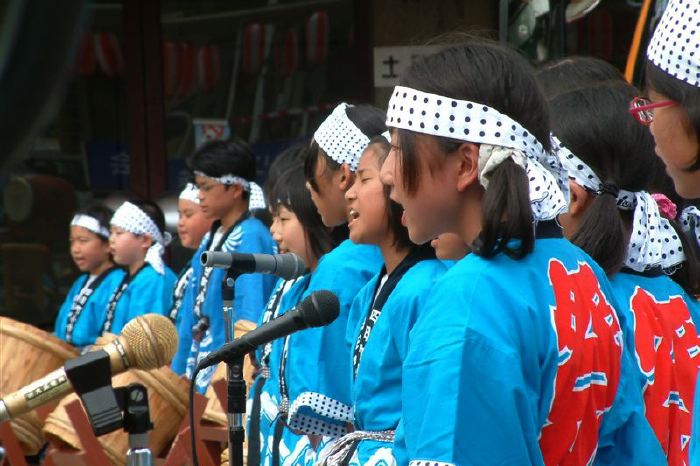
<point>377,385</point>
<point>251,294</point>
<point>88,322</point>
<point>663,318</point>
<point>522,362</point>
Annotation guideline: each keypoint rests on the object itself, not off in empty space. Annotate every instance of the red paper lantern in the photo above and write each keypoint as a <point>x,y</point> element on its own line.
<point>85,64</point>
<point>171,67</point>
<point>286,52</point>
<point>109,55</point>
<point>254,41</point>
<point>317,28</point>
<point>208,67</point>
<point>186,77</point>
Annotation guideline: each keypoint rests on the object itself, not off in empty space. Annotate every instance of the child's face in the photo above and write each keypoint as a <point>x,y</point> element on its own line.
<point>89,251</point>
<point>289,234</point>
<point>329,198</point>
<point>433,208</point>
<point>449,246</point>
<point>127,248</point>
<point>216,199</point>
<point>367,209</point>
<point>192,223</point>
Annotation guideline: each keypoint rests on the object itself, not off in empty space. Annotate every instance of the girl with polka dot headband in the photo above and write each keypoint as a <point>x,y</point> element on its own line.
<point>645,254</point>
<point>502,367</point>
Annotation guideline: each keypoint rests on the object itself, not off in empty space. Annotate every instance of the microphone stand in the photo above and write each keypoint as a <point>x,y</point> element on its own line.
<point>236,388</point>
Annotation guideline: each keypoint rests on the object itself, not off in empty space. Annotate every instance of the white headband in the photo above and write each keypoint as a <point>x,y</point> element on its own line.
<point>89,223</point>
<point>687,214</point>
<point>500,136</point>
<point>340,139</point>
<point>675,45</point>
<point>190,193</point>
<point>653,242</point>
<point>257,198</point>
<point>228,179</point>
<point>134,220</point>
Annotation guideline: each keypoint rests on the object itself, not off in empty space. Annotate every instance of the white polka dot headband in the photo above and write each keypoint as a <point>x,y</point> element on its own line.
<point>340,139</point>
<point>134,220</point>
<point>675,45</point>
<point>690,221</point>
<point>500,136</point>
<point>257,198</point>
<point>653,242</point>
<point>90,223</point>
<point>190,193</point>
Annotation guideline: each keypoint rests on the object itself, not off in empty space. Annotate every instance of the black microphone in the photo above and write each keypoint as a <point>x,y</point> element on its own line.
<point>287,266</point>
<point>318,309</point>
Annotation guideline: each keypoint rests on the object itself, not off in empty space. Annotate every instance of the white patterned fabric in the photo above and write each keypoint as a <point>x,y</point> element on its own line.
<point>317,414</point>
<point>690,220</point>
<point>585,177</point>
<point>90,223</point>
<point>134,220</point>
<point>675,45</point>
<point>227,179</point>
<point>653,242</point>
<point>342,448</point>
<point>257,197</point>
<point>340,139</point>
<point>190,193</point>
<point>429,463</point>
<point>499,135</point>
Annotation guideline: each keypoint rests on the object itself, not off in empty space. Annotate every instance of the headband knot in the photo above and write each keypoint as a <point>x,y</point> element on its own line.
<point>609,188</point>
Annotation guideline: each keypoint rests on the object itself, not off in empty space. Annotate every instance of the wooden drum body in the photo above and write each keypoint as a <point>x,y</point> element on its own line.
<point>28,354</point>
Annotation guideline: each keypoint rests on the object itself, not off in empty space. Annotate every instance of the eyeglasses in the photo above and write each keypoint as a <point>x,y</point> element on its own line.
<point>642,109</point>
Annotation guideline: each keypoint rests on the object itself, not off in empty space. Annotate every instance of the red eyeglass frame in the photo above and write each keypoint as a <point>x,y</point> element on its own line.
<point>636,110</point>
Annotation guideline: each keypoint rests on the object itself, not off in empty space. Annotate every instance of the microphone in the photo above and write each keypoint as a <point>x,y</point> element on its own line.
<point>318,309</point>
<point>147,342</point>
<point>287,266</point>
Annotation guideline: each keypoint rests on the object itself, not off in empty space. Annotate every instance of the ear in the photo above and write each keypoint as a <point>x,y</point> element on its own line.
<point>236,190</point>
<point>578,199</point>
<point>344,177</point>
<point>146,241</point>
<point>467,160</point>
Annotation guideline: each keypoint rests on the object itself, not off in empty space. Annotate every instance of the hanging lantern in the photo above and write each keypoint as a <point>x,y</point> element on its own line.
<point>186,80</point>
<point>286,52</point>
<point>208,67</point>
<point>171,67</point>
<point>317,28</point>
<point>109,55</point>
<point>85,59</point>
<point>254,37</point>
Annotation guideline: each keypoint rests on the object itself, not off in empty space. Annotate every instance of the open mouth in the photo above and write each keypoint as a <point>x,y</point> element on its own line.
<point>352,216</point>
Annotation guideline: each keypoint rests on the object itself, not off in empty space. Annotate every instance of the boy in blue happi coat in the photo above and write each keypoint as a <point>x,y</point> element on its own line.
<point>224,171</point>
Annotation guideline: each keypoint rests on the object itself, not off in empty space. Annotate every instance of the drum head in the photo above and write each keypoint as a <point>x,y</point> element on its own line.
<point>18,199</point>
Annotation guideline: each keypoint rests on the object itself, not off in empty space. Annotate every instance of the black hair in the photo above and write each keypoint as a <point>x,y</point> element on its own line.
<point>102,214</point>
<point>573,72</point>
<point>686,95</point>
<point>394,211</point>
<point>290,192</point>
<point>595,125</point>
<point>288,160</point>
<point>153,211</point>
<point>367,118</point>
<point>218,158</point>
<point>491,74</point>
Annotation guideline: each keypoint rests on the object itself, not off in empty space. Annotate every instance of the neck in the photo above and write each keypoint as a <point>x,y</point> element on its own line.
<point>135,267</point>
<point>313,263</point>
<point>469,225</point>
<point>106,265</point>
<point>234,214</point>
<point>392,256</point>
